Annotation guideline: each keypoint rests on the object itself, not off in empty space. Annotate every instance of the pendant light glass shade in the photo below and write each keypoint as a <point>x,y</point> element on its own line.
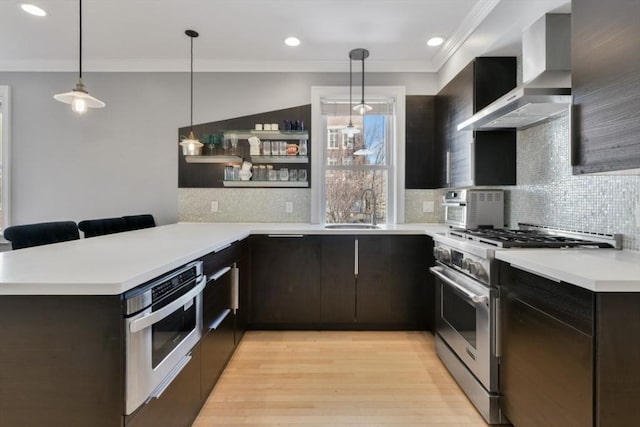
<point>350,130</point>
<point>191,146</point>
<point>79,98</point>
<point>361,54</point>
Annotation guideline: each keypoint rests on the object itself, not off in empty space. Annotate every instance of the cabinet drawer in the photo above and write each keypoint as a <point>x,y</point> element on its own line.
<point>216,298</point>
<point>216,347</point>
<point>565,302</point>
<point>224,257</point>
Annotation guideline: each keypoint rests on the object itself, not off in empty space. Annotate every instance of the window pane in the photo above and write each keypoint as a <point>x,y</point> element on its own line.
<point>345,201</point>
<point>368,147</point>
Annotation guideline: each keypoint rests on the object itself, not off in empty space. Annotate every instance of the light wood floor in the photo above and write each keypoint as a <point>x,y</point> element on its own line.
<point>335,379</point>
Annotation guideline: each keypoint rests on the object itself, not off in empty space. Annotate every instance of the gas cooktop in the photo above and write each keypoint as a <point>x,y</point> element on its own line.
<point>532,236</point>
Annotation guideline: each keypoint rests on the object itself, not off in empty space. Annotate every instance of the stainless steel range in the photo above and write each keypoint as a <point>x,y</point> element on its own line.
<point>468,301</point>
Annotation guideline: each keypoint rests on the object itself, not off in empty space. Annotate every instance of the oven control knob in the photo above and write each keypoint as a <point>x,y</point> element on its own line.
<point>444,255</point>
<point>476,269</point>
<point>436,252</point>
<point>465,264</point>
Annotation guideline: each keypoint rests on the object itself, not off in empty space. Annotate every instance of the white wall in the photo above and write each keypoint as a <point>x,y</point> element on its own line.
<point>123,159</point>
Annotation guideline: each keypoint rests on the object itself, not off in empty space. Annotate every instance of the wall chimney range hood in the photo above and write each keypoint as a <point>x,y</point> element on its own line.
<point>546,69</point>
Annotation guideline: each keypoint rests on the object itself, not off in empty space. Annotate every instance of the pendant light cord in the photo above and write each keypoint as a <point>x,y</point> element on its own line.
<point>80,38</point>
<point>191,84</point>
<point>362,80</point>
<point>350,89</point>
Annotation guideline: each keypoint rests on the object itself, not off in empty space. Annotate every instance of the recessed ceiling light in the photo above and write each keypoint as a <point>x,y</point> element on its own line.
<point>292,41</point>
<point>435,41</point>
<point>33,9</point>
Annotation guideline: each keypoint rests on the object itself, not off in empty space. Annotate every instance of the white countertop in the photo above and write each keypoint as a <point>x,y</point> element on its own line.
<point>599,270</point>
<point>115,263</point>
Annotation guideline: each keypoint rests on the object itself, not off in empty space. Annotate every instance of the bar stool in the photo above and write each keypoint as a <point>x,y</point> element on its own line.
<point>137,222</point>
<point>100,227</point>
<point>44,233</point>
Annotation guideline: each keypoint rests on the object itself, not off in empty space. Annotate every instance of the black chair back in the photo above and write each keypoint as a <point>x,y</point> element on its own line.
<point>136,222</point>
<point>28,235</point>
<point>100,227</point>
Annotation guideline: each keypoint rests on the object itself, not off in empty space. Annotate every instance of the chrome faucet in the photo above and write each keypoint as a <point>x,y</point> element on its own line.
<point>374,219</point>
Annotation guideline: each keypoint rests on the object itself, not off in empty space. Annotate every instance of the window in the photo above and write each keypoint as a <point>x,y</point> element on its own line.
<point>357,175</point>
<point>334,135</point>
<point>4,156</point>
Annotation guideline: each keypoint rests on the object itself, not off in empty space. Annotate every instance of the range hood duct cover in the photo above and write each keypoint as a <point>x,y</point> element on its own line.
<point>546,69</point>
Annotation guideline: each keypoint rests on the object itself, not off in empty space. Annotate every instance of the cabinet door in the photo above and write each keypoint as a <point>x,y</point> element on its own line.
<point>460,95</point>
<point>179,405</point>
<point>218,344</point>
<point>285,273</point>
<point>546,370</point>
<point>338,301</point>
<point>475,158</point>
<point>605,73</point>
<point>420,139</point>
<point>392,281</point>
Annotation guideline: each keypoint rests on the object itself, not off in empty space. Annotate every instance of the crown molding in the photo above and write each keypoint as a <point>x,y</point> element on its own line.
<point>338,66</point>
<point>468,25</point>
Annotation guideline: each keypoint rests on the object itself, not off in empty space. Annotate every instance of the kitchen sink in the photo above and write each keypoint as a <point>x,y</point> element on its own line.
<point>351,227</point>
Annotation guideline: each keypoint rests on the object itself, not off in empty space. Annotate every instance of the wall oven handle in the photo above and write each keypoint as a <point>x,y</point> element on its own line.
<point>218,274</point>
<point>169,379</point>
<point>156,316</point>
<point>219,320</point>
<point>478,299</point>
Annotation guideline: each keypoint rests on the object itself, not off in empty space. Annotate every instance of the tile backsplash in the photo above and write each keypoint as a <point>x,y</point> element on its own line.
<point>244,204</point>
<point>548,194</point>
<point>268,205</point>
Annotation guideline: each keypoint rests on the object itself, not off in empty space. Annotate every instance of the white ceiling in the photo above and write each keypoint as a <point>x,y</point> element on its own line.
<point>247,35</point>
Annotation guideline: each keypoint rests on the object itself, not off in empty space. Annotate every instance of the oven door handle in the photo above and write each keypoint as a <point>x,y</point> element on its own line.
<point>156,316</point>
<point>478,299</point>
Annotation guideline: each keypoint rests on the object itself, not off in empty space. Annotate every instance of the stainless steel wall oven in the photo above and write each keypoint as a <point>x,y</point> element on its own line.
<point>162,322</point>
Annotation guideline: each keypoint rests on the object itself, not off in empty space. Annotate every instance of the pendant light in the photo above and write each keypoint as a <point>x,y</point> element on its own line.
<point>350,130</point>
<point>191,146</point>
<point>79,98</point>
<point>361,54</point>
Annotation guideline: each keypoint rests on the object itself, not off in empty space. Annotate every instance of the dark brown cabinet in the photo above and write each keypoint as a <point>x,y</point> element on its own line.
<point>420,160</point>
<point>338,302</point>
<point>61,361</point>
<point>285,275</point>
<point>568,355</point>
<point>224,307</point>
<point>218,343</point>
<point>468,158</point>
<point>605,68</point>
<point>546,368</point>
<point>341,282</point>
<point>391,281</point>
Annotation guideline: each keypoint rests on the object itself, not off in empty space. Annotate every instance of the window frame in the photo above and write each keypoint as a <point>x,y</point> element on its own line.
<point>395,150</point>
<point>332,131</point>
<point>5,110</point>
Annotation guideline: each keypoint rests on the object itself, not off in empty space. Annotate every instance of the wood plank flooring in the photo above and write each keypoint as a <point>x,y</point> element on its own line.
<point>326,378</point>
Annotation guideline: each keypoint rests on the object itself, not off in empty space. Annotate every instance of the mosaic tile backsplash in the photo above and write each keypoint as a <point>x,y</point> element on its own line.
<point>548,194</point>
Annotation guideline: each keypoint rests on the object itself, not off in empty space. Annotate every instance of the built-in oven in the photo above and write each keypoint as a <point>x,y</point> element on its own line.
<point>162,323</point>
<point>463,321</point>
